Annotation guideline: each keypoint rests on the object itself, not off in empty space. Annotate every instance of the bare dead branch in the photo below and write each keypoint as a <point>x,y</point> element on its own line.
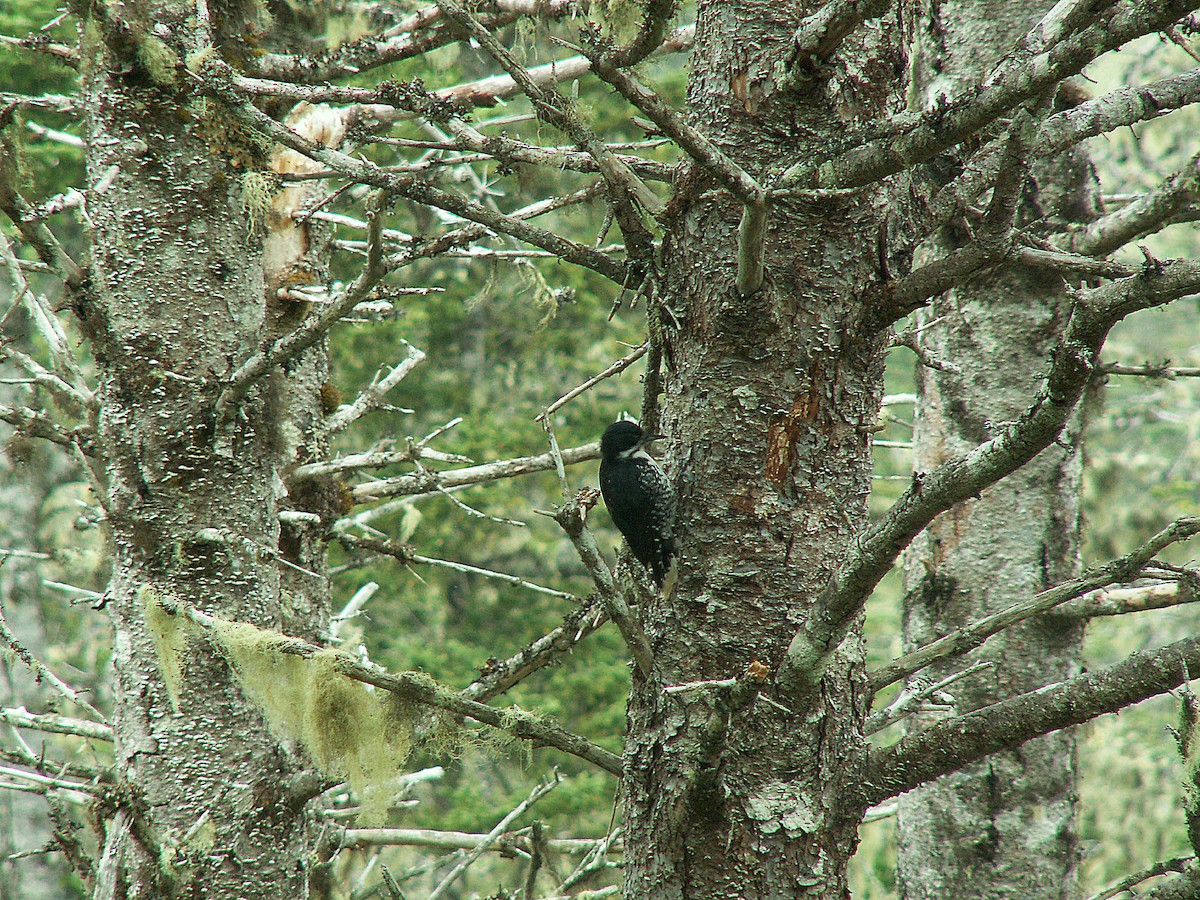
<point>49,102</point>
<point>20,717</point>
<point>1150,371</point>
<point>629,194</point>
<point>37,424</point>
<point>404,485</point>
<point>419,33</point>
<point>17,779</point>
<point>68,382</point>
<point>407,185</point>
<point>73,197</point>
<point>1072,266</point>
<point>460,840</point>
<point>1016,79</point>
<point>572,517</point>
<point>595,861</point>
<point>970,636</point>
<point>35,232</point>
<point>494,835</point>
<point>1148,213</point>
<point>1183,886</point>
<point>916,697</point>
<point>374,459</point>
<point>498,676</point>
<point>1163,867</point>
<point>1121,601</point>
<point>37,762</point>
<point>422,689</point>
<point>43,674</point>
<point>41,44</point>
<point>487,91</point>
<point>619,366</point>
<point>953,743</point>
<point>407,555</point>
<point>511,151</point>
<point>373,395</point>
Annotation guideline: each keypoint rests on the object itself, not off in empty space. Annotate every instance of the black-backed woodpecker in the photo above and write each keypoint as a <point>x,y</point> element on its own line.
<point>638,496</point>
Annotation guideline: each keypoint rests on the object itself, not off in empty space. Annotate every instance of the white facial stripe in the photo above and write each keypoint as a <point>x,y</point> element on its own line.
<point>635,453</point>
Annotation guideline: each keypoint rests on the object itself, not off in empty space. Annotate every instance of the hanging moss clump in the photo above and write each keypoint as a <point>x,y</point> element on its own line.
<point>170,640</point>
<point>349,730</point>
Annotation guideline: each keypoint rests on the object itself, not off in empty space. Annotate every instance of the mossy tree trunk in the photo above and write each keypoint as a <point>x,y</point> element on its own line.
<point>1003,827</point>
<point>209,803</point>
<point>769,408</point>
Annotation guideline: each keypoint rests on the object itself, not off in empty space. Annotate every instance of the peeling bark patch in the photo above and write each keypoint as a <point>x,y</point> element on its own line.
<point>739,85</point>
<point>780,805</point>
<point>783,435</point>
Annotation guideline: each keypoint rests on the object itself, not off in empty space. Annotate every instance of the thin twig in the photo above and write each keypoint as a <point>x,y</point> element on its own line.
<point>20,717</point>
<point>373,395</point>
<point>515,580</point>
<point>1178,864</point>
<point>619,366</point>
<point>494,835</point>
<point>42,674</point>
<point>404,485</point>
<point>969,636</point>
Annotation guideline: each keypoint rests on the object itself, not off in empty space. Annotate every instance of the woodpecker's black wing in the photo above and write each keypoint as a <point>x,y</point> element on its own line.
<point>638,496</point>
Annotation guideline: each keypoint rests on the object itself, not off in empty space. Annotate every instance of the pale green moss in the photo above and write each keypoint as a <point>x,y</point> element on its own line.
<point>349,730</point>
<point>169,637</point>
<point>199,58</point>
<point>506,739</point>
<point>159,60</point>
<point>204,838</point>
<point>619,18</point>
<point>258,190</point>
<point>410,518</point>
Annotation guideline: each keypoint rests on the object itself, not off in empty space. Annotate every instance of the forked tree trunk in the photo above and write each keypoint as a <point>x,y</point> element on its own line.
<point>177,301</point>
<point>1004,827</point>
<point>769,411</point>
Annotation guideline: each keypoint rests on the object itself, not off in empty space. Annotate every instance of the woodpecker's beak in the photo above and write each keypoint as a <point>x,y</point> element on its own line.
<point>648,439</point>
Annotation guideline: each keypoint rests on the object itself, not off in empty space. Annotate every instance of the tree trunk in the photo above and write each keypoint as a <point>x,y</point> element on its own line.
<point>177,302</point>
<point>769,410</point>
<point>1004,827</point>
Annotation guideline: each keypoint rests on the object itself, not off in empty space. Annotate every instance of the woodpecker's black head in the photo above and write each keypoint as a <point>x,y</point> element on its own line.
<point>622,439</point>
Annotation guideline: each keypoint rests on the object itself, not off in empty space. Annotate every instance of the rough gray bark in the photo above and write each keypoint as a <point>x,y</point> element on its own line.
<point>1004,827</point>
<point>773,395</point>
<point>177,299</point>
